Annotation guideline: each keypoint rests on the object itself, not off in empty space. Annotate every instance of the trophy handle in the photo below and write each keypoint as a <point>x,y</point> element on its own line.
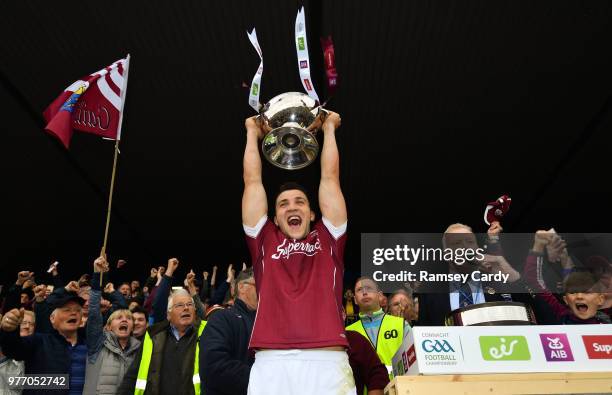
<point>263,122</point>
<point>320,118</point>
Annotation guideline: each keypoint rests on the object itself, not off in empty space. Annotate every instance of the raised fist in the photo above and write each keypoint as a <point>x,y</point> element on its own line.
<point>172,265</point>
<point>72,286</point>
<point>22,277</point>
<point>40,292</point>
<point>109,288</point>
<point>12,320</point>
<point>100,265</point>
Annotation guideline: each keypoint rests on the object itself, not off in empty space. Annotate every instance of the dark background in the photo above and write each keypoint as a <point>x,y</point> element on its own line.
<point>446,105</point>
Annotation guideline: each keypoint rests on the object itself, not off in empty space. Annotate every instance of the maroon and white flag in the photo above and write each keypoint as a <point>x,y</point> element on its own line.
<point>93,104</point>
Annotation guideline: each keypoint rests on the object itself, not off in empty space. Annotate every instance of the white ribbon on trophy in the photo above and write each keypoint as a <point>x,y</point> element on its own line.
<point>301,46</point>
<point>255,88</point>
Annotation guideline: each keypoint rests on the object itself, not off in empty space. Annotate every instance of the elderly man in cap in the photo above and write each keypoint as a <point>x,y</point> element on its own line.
<point>63,351</point>
<point>167,362</point>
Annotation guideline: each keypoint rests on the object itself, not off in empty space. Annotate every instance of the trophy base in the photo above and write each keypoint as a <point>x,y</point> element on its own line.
<point>290,147</point>
<point>491,314</point>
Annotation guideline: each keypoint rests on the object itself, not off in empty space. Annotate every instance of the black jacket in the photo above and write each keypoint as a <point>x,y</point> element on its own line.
<point>225,360</point>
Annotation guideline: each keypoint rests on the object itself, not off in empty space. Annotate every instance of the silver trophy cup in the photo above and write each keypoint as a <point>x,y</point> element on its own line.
<point>290,121</point>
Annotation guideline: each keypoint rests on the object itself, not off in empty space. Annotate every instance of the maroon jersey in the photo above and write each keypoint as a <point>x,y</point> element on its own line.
<point>299,283</point>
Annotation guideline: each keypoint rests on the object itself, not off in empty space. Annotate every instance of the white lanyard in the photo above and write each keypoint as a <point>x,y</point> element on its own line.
<point>255,88</point>
<point>301,47</point>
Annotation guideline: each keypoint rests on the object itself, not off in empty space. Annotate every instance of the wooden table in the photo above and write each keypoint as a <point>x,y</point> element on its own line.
<point>516,383</point>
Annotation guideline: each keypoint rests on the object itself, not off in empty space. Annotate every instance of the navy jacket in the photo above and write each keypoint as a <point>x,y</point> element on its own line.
<point>225,360</point>
<point>42,352</point>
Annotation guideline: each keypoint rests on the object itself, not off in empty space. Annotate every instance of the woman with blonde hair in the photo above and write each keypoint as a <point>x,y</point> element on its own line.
<point>111,348</point>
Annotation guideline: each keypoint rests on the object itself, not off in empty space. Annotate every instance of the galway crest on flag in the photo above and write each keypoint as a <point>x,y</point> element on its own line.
<point>92,104</point>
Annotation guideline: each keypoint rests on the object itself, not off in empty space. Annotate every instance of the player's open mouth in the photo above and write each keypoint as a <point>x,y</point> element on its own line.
<point>72,321</point>
<point>123,327</point>
<point>582,308</point>
<point>294,221</point>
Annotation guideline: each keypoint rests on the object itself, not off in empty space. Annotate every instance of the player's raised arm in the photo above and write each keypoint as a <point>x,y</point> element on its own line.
<point>331,200</point>
<point>254,200</point>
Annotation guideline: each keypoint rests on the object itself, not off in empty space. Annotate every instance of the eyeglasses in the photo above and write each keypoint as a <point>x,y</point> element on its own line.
<point>366,289</point>
<point>183,305</point>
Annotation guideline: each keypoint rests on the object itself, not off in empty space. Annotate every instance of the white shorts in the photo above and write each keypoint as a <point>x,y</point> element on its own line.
<point>297,372</point>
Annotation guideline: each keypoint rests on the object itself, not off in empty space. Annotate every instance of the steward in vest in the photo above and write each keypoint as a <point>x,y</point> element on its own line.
<point>168,361</point>
<point>385,332</point>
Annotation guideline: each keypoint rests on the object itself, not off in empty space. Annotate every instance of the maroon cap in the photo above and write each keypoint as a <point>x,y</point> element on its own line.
<point>496,210</point>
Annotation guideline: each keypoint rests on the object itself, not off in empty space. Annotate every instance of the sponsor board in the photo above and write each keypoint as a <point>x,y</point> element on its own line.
<point>505,349</point>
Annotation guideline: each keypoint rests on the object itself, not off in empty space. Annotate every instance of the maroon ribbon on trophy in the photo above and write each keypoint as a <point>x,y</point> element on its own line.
<point>496,210</point>
<point>330,65</point>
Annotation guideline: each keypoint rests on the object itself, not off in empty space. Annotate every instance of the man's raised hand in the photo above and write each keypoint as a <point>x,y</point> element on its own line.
<point>109,288</point>
<point>253,124</point>
<point>12,320</point>
<point>172,265</point>
<point>22,277</point>
<point>332,121</point>
<point>100,265</point>
<point>72,286</point>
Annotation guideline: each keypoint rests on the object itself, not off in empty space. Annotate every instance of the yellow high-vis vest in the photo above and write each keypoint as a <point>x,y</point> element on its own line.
<point>390,336</point>
<point>147,351</point>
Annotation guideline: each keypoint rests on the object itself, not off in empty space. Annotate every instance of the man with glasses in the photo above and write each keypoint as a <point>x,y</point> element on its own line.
<point>168,362</point>
<point>28,324</point>
<point>225,361</point>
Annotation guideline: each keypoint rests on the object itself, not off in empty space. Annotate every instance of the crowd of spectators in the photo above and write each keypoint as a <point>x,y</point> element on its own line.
<point>98,333</point>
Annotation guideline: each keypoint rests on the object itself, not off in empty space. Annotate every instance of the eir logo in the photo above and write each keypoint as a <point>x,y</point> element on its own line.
<point>598,346</point>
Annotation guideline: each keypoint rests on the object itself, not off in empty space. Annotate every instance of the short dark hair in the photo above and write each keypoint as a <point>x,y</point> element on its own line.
<point>580,281</point>
<point>291,185</point>
<point>140,310</point>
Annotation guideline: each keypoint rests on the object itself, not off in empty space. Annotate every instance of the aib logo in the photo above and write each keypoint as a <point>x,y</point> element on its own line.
<point>504,348</point>
<point>437,346</point>
<point>556,347</point>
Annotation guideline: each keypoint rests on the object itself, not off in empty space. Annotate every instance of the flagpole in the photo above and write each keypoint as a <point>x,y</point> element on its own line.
<point>116,156</point>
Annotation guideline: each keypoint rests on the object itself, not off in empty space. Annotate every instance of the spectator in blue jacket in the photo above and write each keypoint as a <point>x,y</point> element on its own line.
<point>62,351</point>
<point>225,360</point>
